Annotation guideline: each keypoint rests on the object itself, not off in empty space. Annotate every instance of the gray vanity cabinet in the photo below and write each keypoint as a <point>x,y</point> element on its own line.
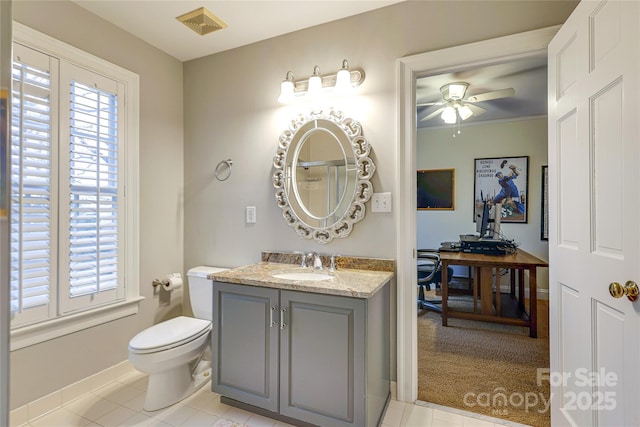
<point>321,359</point>
<point>245,344</point>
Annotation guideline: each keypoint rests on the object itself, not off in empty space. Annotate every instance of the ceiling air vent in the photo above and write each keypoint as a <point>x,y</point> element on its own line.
<point>202,21</point>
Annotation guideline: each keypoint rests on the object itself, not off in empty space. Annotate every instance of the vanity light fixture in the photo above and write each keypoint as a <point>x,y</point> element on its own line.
<point>315,84</point>
<point>286,89</point>
<point>341,82</point>
<point>343,79</point>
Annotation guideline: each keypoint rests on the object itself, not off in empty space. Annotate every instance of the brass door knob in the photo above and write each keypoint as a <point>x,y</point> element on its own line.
<point>630,289</point>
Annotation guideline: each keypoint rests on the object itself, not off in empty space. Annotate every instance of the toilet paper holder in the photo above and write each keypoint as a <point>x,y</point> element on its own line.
<point>158,282</point>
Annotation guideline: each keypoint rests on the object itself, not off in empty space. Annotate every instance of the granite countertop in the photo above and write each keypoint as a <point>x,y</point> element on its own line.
<point>345,282</point>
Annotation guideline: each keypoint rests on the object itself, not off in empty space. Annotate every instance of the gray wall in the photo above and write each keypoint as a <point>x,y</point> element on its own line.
<point>230,111</point>
<point>41,369</point>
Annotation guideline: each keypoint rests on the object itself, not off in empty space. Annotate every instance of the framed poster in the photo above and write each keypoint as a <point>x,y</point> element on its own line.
<point>544,216</point>
<point>436,189</point>
<point>503,180</point>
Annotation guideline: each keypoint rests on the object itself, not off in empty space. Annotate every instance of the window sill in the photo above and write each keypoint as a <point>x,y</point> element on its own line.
<point>41,332</point>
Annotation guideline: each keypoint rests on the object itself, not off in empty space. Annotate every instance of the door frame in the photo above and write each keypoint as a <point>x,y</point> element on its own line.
<point>6,41</point>
<point>500,50</point>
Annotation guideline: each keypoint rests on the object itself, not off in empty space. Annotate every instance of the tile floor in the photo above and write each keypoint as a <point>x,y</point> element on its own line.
<point>119,404</point>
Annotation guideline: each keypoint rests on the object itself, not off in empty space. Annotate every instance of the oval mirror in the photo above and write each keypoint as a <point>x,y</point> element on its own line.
<point>322,175</point>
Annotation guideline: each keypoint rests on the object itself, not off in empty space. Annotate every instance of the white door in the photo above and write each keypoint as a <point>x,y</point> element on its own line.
<point>594,222</point>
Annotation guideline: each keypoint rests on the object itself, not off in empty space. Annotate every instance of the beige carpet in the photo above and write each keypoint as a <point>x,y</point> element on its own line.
<point>484,368</point>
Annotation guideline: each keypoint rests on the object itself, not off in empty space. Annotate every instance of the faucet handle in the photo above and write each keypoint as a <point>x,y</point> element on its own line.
<point>303,258</point>
<point>332,266</point>
<point>317,262</point>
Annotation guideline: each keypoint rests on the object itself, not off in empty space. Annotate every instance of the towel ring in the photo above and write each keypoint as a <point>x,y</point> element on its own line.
<point>221,173</point>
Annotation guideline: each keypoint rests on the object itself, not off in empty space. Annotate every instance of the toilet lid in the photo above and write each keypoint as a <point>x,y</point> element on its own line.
<point>168,334</point>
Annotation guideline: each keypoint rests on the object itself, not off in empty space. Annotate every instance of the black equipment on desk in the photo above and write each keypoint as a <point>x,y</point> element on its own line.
<point>473,244</point>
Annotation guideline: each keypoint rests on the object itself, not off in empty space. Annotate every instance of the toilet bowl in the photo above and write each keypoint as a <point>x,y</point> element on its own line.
<point>173,352</point>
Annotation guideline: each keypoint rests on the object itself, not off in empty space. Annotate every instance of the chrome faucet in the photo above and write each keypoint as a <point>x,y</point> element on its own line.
<point>316,261</point>
<point>332,266</point>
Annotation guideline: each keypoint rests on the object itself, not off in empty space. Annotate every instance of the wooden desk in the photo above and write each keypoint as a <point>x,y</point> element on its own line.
<point>484,266</point>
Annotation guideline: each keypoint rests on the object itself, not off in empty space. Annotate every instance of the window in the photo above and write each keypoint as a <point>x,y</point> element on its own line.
<point>74,207</point>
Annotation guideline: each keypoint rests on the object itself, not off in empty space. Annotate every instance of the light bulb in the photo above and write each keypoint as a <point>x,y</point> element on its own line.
<point>449,115</point>
<point>343,79</point>
<point>286,89</point>
<point>315,83</point>
<point>286,92</point>
<point>465,112</point>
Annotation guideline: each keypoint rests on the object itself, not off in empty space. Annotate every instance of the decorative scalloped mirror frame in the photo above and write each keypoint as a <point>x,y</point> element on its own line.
<point>365,169</point>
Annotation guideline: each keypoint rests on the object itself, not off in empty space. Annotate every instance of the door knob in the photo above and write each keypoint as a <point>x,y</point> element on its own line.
<point>630,289</point>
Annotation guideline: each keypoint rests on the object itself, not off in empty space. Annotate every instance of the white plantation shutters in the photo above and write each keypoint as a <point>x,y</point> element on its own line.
<point>91,189</point>
<point>75,251</point>
<point>33,186</point>
<point>93,204</point>
<point>69,154</point>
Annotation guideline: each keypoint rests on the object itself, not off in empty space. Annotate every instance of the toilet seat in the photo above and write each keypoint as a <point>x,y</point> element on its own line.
<point>169,334</point>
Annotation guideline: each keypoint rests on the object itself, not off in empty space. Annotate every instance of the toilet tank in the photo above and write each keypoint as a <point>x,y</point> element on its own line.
<point>201,291</point>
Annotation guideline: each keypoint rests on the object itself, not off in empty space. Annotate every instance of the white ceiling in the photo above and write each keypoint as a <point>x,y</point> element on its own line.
<point>154,21</point>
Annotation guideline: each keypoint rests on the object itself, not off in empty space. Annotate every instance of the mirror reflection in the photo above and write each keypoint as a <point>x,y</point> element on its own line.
<point>322,175</point>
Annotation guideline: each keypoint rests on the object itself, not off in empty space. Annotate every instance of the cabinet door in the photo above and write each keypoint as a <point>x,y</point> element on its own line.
<point>245,344</point>
<point>322,360</point>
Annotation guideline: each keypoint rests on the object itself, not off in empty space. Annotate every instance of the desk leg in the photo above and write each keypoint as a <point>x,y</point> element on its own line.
<point>476,287</point>
<point>444,291</point>
<point>486,295</point>
<point>533,303</point>
<point>512,281</point>
<point>498,291</point>
<point>521,289</point>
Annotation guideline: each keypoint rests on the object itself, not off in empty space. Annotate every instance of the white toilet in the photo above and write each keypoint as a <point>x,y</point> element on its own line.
<point>172,352</point>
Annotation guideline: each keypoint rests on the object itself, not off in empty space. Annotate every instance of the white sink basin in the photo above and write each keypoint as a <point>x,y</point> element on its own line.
<point>301,275</point>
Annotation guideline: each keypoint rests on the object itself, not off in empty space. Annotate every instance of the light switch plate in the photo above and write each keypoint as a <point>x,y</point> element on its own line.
<point>381,202</point>
<point>250,213</point>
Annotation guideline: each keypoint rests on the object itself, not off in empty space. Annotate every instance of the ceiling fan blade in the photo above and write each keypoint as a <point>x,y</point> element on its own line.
<point>432,115</point>
<point>487,96</point>
<point>427,104</point>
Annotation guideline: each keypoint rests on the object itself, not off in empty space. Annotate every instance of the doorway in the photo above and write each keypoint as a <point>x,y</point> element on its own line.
<point>462,365</point>
<point>504,49</point>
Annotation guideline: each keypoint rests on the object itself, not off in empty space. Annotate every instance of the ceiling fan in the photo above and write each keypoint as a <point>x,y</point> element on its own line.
<point>454,104</point>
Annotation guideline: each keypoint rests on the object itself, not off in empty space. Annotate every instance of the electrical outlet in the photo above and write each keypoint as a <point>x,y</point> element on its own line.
<point>381,202</point>
<point>250,213</point>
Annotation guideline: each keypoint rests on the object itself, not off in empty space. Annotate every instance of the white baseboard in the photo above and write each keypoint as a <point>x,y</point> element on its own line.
<point>44,405</point>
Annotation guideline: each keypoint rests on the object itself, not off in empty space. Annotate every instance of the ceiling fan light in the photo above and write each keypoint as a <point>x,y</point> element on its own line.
<point>449,115</point>
<point>457,90</point>
<point>465,112</point>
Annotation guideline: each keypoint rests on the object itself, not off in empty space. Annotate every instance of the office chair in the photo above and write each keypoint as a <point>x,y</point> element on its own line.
<point>429,273</point>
